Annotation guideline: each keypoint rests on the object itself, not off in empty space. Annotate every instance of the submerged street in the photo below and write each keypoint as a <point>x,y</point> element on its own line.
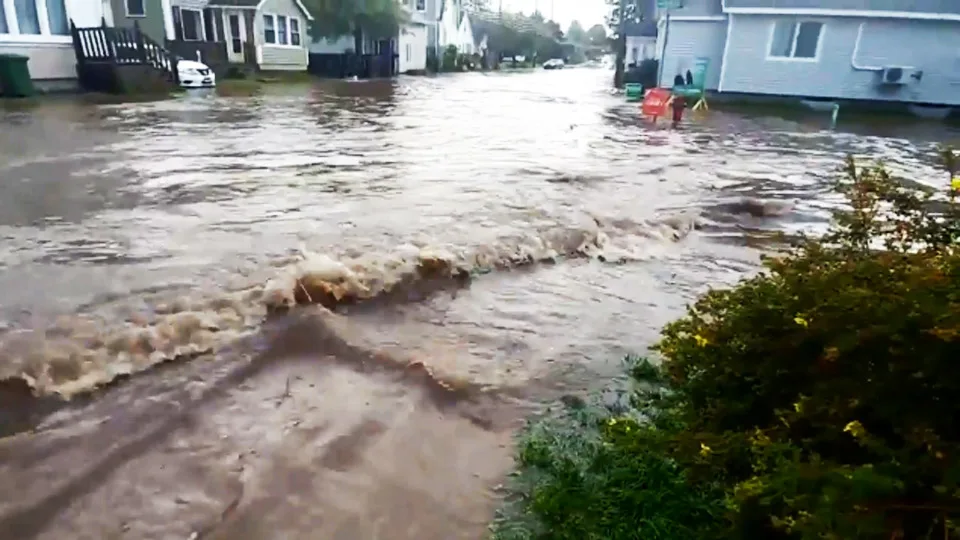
<point>138,240</point>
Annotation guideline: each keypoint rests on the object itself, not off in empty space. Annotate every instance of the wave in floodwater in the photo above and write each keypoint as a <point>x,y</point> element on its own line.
<point>80,353</point>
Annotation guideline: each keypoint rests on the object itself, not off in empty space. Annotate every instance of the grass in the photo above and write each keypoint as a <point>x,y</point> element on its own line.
<point>598,471</point>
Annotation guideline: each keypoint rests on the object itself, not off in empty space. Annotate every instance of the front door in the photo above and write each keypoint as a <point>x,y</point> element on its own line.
<point>236,35</point>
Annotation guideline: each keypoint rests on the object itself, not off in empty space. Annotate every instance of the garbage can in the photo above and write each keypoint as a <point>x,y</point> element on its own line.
<point>15,76</point>
<point>633,91</point>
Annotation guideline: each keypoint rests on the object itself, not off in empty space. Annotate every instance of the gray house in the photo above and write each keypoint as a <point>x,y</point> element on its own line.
<point>149,15</point>
<point>862,50</point>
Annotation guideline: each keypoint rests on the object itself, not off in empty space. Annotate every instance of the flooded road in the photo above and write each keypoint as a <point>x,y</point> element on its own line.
<point>483,243</point>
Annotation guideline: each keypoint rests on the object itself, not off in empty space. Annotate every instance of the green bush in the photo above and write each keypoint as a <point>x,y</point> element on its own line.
<point>449,60</point>
<point>819,399</point>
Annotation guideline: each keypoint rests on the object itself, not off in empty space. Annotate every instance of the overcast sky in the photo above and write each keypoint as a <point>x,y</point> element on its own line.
<point>588,12</point>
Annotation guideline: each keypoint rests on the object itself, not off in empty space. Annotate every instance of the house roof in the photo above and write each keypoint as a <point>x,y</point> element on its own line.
<point>948,7</point>
<point>254,4</point>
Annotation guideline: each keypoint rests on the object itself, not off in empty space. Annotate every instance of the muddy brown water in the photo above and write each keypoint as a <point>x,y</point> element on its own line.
<point>142,245</point>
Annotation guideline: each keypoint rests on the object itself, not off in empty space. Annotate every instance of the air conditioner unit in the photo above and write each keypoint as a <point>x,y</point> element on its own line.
<point>895,75</point>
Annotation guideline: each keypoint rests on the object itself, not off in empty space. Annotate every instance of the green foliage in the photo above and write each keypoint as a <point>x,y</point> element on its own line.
<point>596,473</point>
<point>375,19</point>
<point>449,60</point>
<point>597,36</point>
<point>827,385</point>
<point>816,400</point>
<point>513,34</point>
<point>576,33</point>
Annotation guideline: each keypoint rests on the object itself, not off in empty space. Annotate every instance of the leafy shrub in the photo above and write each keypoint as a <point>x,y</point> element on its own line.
<point>827,386</point>
<point>819,399</point>
<point>449,60</point>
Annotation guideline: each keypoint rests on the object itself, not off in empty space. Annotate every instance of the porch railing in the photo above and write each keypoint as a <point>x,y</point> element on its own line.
<point>121,46</point>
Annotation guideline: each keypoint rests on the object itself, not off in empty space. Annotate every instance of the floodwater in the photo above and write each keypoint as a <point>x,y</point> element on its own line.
<point>321,312</point>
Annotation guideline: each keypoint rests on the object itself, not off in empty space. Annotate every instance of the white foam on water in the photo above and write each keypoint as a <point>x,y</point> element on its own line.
<point>82,352</point>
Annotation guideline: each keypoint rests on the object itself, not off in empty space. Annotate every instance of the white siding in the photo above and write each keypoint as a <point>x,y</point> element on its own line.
<point>928,47</point>
<point>412,46</point>
<point>281,57</point>
<point>52,58</point>
<point>688,40</point>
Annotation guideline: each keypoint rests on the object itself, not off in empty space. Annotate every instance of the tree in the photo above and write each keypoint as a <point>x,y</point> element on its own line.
<point>597,35</point>
<point>620,12</point>
<point>374,19</point>
<point>576,33</point>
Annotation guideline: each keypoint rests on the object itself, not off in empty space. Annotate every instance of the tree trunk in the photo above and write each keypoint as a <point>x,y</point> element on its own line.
<point>620,49</point>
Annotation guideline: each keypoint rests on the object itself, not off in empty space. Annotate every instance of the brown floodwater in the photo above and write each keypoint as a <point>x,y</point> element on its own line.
<point>322,311</point>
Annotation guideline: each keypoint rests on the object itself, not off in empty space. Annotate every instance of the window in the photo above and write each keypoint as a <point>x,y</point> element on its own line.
<point>409,52</point>
<point>798,40</point>
<point>281,30</point>
<point>57,17</point>
<point>191,24</point>
<point>295,31</point>
<point>47,18</point>
<point>210,26</point>
<point>269,29</point>
<point>28,20</point>
<point>136,8</point>
<point>421,5</point>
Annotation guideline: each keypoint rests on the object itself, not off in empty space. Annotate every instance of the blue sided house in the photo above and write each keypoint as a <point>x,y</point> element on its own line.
<point>892,51</point>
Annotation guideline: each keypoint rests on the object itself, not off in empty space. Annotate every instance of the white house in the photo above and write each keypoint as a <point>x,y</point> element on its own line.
<point>448,28</point>
<point>412,40</point>
<point>40,30</point>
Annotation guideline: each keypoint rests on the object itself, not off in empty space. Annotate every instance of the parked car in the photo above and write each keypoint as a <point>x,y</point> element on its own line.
<point>554,63</point>
<point>195,74</point>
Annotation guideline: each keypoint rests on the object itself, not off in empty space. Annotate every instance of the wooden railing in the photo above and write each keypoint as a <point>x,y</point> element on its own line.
<point>121,46</point>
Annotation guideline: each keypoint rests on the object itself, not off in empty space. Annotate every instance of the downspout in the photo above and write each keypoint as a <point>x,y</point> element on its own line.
<point>856,52</point>
<point>726,53</point>
<point>663,53</point>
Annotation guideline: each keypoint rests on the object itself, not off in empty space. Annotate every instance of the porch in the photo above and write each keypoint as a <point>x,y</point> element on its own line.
<point>122,60</point>
<point>219,37</point>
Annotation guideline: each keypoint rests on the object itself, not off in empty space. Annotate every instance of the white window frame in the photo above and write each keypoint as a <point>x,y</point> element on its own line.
<point>203,25</point>
<point>290,21</point>
<point>126,9</point>
<point>13,26</point>
<point>276,30</point>
<point>796,35</point>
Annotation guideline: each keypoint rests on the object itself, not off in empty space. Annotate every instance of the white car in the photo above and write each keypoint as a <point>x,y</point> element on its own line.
<point>195,74</point>
<point>554,63</point>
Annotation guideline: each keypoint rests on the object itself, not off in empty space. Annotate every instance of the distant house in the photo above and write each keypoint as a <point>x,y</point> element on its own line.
<point>153,17</point>
<point>413,38</point>
<point>448,25</point>
<point>872,50</point>
<point>271,34</point>
<point>40,30</point>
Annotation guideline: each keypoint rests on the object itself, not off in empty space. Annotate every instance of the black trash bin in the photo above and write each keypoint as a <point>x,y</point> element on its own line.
<point>15,78</point>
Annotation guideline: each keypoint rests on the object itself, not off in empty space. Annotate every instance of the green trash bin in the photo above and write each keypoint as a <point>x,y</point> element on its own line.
<point>633,91</point>
<point>15,78</point>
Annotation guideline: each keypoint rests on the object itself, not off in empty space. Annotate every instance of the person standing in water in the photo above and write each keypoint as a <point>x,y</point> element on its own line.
<point>678,103</point>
